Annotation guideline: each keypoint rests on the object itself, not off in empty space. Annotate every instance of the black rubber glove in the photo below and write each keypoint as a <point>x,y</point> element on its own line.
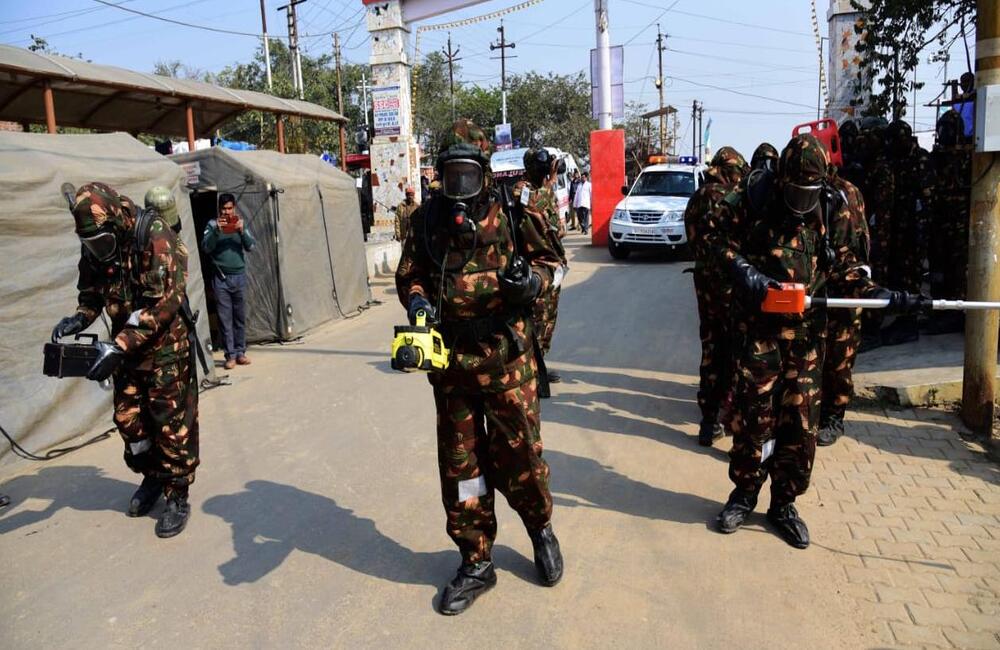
<point>519,285</point>
<point>901,302</point>
<point>751,284</point>
<point>418,303</point>
<point>68,327</point>
<point>111,356</point>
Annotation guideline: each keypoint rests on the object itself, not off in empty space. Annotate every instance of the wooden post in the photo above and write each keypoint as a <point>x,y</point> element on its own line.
<point>50,107</point>
<point>979,385</point>
<point>189,114</point>
<point>279,121</point>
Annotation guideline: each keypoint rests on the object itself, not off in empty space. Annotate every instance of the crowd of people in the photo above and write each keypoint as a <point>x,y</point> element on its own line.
<point>781,383</point>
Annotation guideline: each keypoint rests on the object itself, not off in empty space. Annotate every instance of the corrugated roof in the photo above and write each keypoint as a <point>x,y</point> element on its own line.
<point>105,97</point>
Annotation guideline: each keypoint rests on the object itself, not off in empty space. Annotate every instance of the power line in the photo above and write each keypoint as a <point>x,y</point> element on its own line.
<point>179,22</point>
<point>723,20</point>
<point>736,92</point>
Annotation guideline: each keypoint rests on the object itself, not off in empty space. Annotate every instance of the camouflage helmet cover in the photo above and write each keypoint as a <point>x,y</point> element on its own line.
<point>161,200</point>
<point>728,164</point>
<point>765,151</point>
<point>805,160</point>
<point>98,206</point>
<point>466,138</point>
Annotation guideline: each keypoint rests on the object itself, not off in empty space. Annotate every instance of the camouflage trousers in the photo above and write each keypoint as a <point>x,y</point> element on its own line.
<point>880,252</point>
<point>487,442</point>
<point>544,315</point>
<point>778,415</point>
<point>716,368</point>
<point>156,412</point>
<point>843,336</point>
<point>906,252</point>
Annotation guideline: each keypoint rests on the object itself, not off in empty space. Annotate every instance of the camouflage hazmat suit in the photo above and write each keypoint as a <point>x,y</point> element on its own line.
<point>711,283</point>
<point>913,191</point>
<point>541,203</point>
<point>843,328</point>
<point>949,247</point>
<point>488,422</point>
<point>780,355</point>
<point>156,391</point>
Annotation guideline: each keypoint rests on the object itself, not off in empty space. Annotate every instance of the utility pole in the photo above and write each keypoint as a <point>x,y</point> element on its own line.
<point>701,132</point>
<point>364,87</point>
<point>978,385</point>
<point>452,57</point>
<point>604,108</point>
<point>267,47</point>
<point>660,37</point>
<point>340,102</point>
<point>293,46</point>
<point>503,45</point>
<point>943,57</point>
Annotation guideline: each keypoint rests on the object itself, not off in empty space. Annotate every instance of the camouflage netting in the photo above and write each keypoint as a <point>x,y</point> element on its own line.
<point>39,252</point>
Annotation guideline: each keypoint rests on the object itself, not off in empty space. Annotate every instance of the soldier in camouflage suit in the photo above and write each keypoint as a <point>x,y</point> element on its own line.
<point>149,360</point>
<point>876,183</point>
<point>788,231</point>
<point>404,212</point>
<point>948,252</point>
<point>713,291</point>
<point>843,328</point>
<point>464,265</point>
<point>540,200</point>
<point>913,185</point>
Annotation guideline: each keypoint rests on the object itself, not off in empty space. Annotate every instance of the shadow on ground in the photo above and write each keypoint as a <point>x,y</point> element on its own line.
<point>83,488</point>
<point>599,486</point>
<point>270,520</point>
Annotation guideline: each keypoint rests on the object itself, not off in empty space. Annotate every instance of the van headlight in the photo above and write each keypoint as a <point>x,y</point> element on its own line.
<point>675,216</point>
<point>620,215</point>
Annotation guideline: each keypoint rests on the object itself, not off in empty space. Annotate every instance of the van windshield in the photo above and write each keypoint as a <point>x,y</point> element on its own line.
<point>664,184</point>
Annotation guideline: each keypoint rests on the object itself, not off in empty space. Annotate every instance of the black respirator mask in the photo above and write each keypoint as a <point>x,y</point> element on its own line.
<point>801,199</point>
<point>461,178</point>
<point>103,246</point>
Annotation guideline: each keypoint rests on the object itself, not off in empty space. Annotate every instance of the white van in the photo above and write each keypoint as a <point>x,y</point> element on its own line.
<point>651,215</point>
<point>508,166</point>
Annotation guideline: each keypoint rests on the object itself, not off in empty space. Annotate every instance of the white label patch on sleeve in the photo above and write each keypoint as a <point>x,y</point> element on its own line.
<point>138,447</point>
<point>474,487</point>
<point>525,195</point>
<point>767,450</point>
<point>558,276</point>
<point>867,269</point>
<point>133,319</point>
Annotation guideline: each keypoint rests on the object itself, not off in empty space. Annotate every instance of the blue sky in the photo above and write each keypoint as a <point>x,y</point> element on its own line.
<point>764,49</point>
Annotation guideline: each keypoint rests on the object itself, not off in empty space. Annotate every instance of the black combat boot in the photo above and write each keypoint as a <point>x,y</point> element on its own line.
<point>709,432</point>
<point>145,497</point>
<point>174,517</point>
<point>554,377</point>
<point>548,557</point>
<point>830,428</point>
<point>738,508</point>
<point>789,524</point>
<point>471,581</point>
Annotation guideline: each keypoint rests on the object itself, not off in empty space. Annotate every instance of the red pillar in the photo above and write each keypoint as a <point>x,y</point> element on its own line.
<point>280,122</point>
<point>50,107</point>
<point>189,115</point>
<point>607,175</point>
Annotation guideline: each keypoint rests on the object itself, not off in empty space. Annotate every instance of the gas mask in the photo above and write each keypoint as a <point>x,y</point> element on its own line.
<point>101,214</point>
<point>461,178</point>
<point>103,246</point>
<point>801,199</point>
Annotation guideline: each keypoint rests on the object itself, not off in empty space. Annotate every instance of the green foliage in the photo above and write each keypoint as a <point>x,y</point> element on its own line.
<point>893,34</point>
<point>553,110</point>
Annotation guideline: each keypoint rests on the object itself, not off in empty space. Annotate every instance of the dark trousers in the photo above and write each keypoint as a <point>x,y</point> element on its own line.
<point>583,215</point>
<point>231,306</point>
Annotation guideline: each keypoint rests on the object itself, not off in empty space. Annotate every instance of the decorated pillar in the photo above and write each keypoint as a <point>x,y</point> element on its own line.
<point>844,61</point>
<point>394,155</point>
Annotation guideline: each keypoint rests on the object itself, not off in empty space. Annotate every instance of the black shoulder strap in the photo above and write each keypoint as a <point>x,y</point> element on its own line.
<point>759,184</point>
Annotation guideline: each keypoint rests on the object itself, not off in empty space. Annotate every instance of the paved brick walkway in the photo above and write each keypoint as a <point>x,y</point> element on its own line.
<point>914,513</point>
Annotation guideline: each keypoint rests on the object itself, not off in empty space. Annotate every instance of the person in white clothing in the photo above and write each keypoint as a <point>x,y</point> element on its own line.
<point>581,204</point>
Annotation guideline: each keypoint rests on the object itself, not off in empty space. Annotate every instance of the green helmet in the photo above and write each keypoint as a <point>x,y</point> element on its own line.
<point>161,199</point>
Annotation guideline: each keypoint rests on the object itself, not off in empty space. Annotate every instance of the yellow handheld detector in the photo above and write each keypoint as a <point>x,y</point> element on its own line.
<point>419,347</point>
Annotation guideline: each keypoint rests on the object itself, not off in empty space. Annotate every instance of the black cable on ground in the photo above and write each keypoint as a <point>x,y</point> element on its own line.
<point>52,453</point>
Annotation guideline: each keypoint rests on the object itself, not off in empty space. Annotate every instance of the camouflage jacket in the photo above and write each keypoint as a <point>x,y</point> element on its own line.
<point>853,232</point>
<point>789,250</point>
<point>953,173</point>
<point>543,206</point>
<point>878,189</point>
<point>698,223</point>
<point>913,183</point>
<point>142,297</point>
<point>468,290</point>
<point>404,212</point>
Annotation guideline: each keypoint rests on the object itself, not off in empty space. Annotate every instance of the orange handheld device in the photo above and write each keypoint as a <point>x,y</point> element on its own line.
<point>789,299</point>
